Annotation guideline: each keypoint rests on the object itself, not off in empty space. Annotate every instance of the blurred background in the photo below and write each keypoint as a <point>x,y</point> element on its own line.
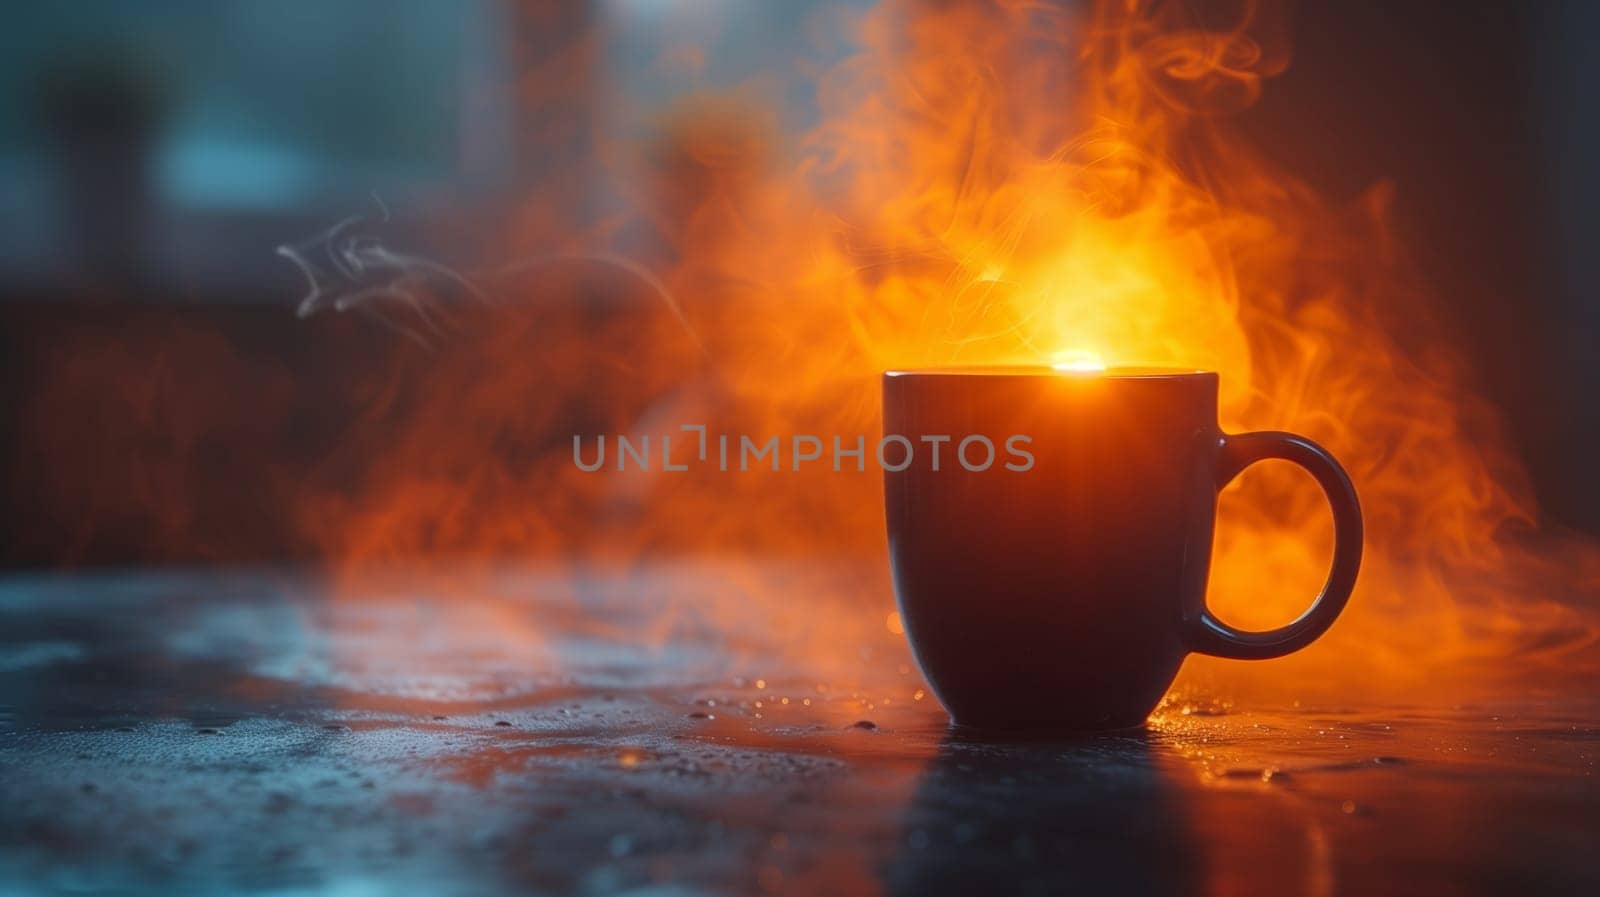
<point>152,157</point>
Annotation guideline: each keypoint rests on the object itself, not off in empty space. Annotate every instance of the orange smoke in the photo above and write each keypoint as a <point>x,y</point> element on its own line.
<point>1005,182</point>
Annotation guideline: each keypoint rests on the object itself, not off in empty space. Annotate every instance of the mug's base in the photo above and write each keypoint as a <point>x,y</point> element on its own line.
<point>1041,731</point>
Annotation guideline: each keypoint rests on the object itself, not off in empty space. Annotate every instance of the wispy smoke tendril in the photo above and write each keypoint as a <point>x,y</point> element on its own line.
<point>350,268</point>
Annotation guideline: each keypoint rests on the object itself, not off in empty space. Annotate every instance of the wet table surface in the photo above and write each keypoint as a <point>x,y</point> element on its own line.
<point>262,732</point>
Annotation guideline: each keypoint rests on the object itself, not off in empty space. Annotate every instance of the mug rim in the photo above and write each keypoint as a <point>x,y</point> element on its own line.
<point>1115,372</point>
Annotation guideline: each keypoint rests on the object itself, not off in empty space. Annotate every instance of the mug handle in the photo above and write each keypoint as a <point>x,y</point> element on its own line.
<point>1209,635</point>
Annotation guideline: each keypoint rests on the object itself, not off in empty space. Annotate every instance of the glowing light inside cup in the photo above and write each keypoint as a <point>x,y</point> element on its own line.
<point>1078,362</point>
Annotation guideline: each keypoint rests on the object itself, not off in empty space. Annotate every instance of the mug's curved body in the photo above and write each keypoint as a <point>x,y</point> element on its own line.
<point>1062,585</point>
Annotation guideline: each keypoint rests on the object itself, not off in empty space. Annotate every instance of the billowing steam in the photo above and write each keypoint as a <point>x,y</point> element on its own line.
<point>988,183</point>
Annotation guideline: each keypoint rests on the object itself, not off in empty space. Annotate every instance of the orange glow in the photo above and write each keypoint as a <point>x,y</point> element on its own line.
<point>987,184</point>
<point>1078,362</point>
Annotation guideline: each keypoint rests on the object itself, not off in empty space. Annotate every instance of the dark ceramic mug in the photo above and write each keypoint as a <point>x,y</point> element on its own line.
<point>1061,585</point>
